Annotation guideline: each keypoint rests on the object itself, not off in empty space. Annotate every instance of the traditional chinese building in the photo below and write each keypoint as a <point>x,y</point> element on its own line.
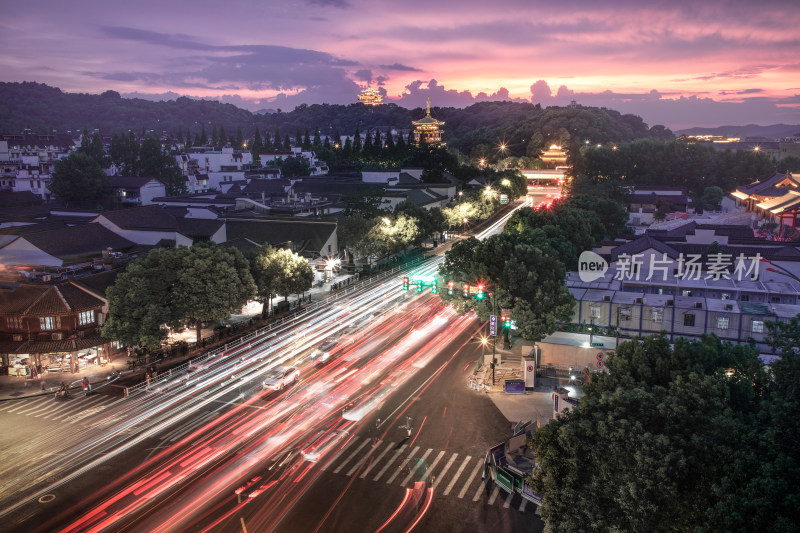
<point>370,96</point>
<point>775,199</point>
<point>428,129</point>
<point>553,157</point>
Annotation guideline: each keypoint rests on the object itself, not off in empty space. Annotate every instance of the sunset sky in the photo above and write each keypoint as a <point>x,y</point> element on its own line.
<point>673,63</point>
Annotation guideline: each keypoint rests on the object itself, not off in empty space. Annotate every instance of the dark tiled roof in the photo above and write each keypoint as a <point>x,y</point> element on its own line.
<point>149,217</point>
<point>199,227</point>
<point>68,345</point>
<point>16,300</point>
<point>51,302</point>
<point>98,283</point>
<point>278,187</point>
<point>19,198</point>
<point>76,243</point>
<point>129,182</point>
<point>641,244</point>
<point>308,235</point>
<point>78,299</point>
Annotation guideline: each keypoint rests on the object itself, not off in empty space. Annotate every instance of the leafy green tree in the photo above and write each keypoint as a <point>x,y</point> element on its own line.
<point>266,269</point>
<point>155,162</point>
<point>256,147</point>
<point>141,306</point>
<point>124,152</point>
<point>712,196</point>
<point>366,204</point>
<point>78,179</point>
<point>317,138</point>
<point>212,282</point>
<point>294,166</point>
<point>239,138</point>
<point>789,164</point>
<point>784,337</point>
<point>223,139</point>
<point>276,144</point>
<point>298,276</point>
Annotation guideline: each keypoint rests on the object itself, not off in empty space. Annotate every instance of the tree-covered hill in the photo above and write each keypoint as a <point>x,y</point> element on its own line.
<point>523,128</point>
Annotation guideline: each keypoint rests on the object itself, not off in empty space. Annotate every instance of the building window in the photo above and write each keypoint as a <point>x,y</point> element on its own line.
<point>775,299</point>
<point>722,322</point>
<point>688,320</point>
<point>744,298</point>
<point>624,314</point>
<point>758,326</point>
<point>85,318</point>
<point>14,322</point>
<point>47,323</point>
<point>725,296</point>
<point>657,316</point>
<point>686,292</point>
<point>595,312</point>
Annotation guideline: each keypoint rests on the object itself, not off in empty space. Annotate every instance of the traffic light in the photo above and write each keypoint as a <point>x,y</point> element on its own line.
<point>450,285</point>
<point>480,294</point>
<point>465,290</point>
<point>434,288</point>
<point>405,283</point>
<point>506,321</point>
<point>419,286</point>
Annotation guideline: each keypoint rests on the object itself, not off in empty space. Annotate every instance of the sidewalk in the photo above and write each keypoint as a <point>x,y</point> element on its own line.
<point>17,387</point>
<point>534,405</point>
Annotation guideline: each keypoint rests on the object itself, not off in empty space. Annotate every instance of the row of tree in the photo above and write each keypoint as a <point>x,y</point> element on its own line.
<point>524,267</point>
<point>698,436</point>
<point>370,231</point>
<point>676,163</point>
<point>172,288</point>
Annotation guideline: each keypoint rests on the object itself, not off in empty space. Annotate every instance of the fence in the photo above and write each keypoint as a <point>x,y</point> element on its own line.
<point>274,325</point>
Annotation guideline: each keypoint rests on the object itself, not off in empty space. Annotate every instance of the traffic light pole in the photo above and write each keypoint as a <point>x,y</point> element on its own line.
<point>494,341</point>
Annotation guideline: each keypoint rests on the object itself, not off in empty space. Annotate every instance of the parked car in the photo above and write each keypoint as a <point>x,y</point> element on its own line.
<point>279,378</point>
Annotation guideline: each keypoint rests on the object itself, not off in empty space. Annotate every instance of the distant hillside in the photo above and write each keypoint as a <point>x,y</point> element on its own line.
<point>775,131</point>
<point>523,128</point>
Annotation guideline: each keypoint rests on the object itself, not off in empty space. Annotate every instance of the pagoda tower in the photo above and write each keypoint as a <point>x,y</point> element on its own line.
<point>428,129</point>
<point>370,96</point>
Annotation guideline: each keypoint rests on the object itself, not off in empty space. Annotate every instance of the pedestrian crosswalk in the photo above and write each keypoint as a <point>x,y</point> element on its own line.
<point>70,411</point>
<point>451,474</point>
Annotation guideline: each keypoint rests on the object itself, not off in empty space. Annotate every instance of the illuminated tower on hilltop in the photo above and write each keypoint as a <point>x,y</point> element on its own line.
<point>428,129</point>
<point>370,96</point>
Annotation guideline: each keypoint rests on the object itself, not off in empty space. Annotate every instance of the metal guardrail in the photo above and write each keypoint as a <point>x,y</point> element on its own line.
<point>355,287</point>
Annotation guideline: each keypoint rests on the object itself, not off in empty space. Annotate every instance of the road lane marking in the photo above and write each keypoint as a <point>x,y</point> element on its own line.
<point>376,461</point>
<point>507,503</point>
<point>523,505</point>
<point>391,460</point>
<point>366,441</point>
<point>493,497</point>
<point>453,482</point>
<point>470,478</point>
<point>416,467</point>
<point>444,471</point>
<point>434,463</point>
<point>401,465</point>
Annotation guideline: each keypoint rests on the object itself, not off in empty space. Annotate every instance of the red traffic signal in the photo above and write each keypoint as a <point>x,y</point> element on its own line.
<point>405,283</point>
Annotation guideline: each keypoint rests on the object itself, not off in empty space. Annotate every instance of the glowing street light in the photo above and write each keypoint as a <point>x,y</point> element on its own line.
<point>506,182</point>
<point>387,221</point>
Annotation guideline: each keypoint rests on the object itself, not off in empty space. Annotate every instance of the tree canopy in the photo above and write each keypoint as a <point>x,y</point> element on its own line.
<point>174,287</point>
<point>79,180</point>
<point>691,437</point>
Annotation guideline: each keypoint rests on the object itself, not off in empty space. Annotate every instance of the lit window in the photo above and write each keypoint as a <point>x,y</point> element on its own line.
<point>722,322</point>
<point>86,317</point>
<point>688,320</point>
<point>595,312</point>
<point>657,316</point>
<point>47,323</point>
<point>758,326</point>
<point>624,314</point>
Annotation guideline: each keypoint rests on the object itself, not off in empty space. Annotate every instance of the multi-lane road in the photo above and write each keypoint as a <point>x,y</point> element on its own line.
<point>213,450</point>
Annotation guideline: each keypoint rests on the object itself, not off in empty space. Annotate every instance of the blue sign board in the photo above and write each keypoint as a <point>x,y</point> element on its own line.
<point>514,386</point>
<point>493,325</point>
